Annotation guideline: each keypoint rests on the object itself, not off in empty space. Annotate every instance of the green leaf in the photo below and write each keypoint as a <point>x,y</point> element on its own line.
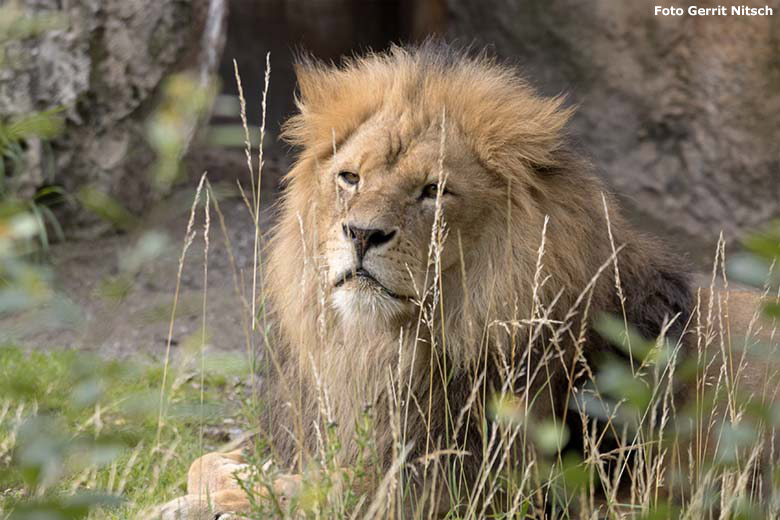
<point>771,310</point>
<point>63,508</point>
<point>765,244</point>
<point>106,207</point>
<point>44,125</point>
<point>749,269</point>
<point>628,339</point>
<point>617,380</point>
<point>551,436</point>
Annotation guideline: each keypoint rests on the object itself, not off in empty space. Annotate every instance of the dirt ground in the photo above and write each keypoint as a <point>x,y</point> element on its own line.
<point>132,319</point>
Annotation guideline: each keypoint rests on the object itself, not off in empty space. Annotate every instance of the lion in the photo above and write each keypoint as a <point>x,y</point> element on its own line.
<point>438,239</point>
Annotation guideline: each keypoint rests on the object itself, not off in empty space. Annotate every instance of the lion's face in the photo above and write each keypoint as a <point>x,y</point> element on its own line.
<point>380,188</point>
<point>361,200</point>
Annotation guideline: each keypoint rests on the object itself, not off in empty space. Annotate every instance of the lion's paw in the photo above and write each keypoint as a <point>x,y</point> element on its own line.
<point>187,507</point>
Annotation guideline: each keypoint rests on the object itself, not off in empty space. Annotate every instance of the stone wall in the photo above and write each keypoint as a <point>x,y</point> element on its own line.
<point>681,114</point>
<point>103,64</point>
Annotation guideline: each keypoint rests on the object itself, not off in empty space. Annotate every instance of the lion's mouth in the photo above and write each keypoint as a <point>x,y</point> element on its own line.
<point>367,277</point>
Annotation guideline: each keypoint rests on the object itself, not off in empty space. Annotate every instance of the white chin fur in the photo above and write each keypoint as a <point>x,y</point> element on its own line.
<point>365,308</point>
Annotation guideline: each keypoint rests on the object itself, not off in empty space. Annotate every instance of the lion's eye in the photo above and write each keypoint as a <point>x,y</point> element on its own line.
<point>349,178</point>
<point>431,190</point>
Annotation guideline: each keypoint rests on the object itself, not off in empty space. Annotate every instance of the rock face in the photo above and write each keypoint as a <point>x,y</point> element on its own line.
<point>104,64</point>
<point>681,114</point>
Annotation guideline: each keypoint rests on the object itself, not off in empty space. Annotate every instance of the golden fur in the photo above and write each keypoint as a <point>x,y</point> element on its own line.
<point>526,257</point>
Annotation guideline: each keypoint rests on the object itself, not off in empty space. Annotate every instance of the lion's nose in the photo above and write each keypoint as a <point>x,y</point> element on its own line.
<point>365,239</point>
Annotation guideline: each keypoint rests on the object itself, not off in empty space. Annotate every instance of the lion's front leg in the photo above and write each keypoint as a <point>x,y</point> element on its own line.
<point>213,490</point>
<point>225,504</point>
<point>215,472</point>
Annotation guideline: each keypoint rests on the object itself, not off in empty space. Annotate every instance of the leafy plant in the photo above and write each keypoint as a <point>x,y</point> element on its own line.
<point>19,130</point>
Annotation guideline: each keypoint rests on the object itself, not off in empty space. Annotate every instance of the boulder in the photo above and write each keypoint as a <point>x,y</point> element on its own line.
<point>104,63</point>
<point>681,114</point>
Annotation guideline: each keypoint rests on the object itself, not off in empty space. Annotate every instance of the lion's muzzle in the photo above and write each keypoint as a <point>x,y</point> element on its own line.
<point>365,239</point>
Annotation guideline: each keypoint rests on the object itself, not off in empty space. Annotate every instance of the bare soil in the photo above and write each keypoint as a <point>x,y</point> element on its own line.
<point>134,321</point>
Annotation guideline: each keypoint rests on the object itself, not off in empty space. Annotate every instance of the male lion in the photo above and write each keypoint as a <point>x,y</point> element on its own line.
<point>438,243</point>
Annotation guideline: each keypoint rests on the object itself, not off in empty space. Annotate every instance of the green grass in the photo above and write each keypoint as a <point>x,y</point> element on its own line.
<point>71,424</point>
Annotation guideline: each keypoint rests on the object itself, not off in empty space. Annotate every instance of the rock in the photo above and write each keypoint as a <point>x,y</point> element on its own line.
<point>681,114</point>
<point>104,64</point>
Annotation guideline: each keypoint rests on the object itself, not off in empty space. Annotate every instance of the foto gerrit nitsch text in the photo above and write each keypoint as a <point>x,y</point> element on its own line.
<point>731,10</point>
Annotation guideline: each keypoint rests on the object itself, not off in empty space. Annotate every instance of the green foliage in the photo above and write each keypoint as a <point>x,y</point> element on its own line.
<point>106,207</point>
<point>756,265</point>
<point>15,133</point>
<point>173,125</point>
<point>82,437</point>
<point>78,434</point>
